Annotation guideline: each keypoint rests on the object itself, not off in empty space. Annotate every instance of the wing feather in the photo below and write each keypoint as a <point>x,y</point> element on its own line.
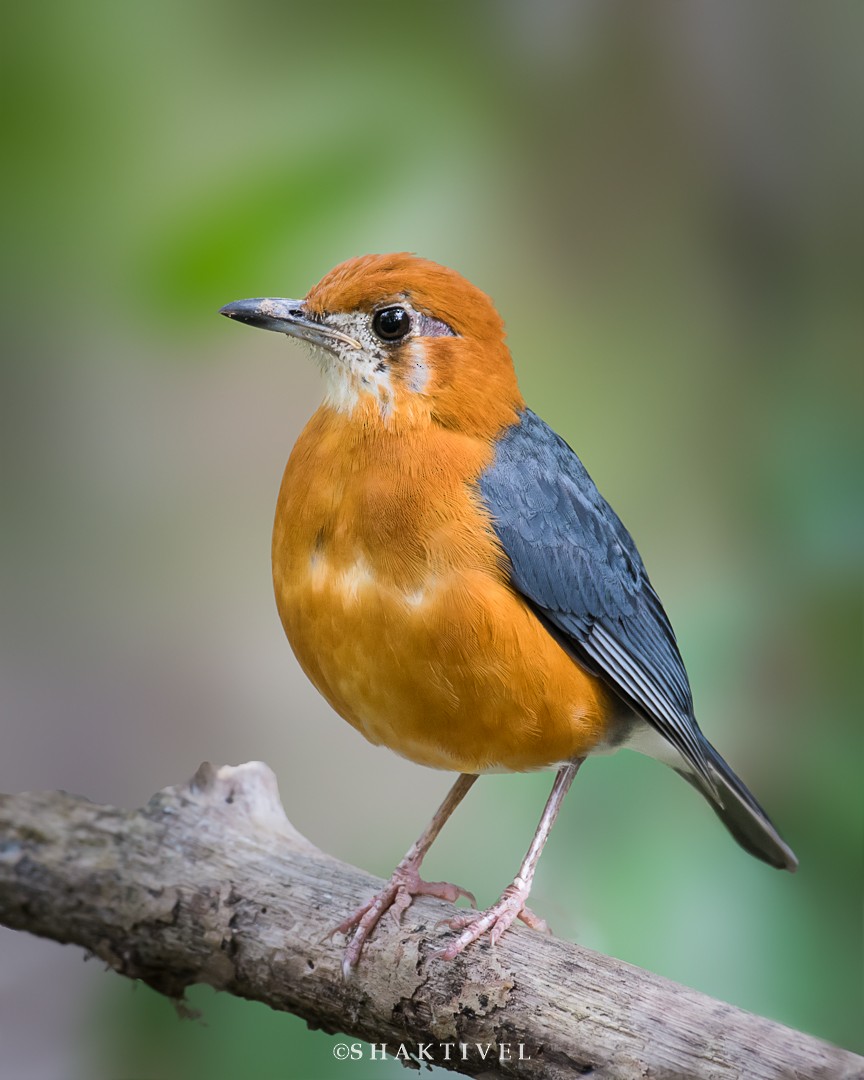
<point>576,564</point>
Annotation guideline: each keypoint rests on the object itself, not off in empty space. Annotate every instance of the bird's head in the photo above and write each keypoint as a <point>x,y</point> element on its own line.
<point>401,340</point>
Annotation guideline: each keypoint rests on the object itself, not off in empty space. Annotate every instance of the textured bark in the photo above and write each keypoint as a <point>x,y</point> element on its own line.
<point>211,883</point>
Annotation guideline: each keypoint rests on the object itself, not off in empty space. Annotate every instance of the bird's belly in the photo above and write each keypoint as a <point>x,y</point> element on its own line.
<point>452,671</point>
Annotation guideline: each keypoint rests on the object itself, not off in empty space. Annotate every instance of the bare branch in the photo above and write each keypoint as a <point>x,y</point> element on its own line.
<point>211,883</point>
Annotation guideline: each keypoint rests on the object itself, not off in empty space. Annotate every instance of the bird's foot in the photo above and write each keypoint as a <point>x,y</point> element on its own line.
<point>395,898</point>
<point>495,921</point>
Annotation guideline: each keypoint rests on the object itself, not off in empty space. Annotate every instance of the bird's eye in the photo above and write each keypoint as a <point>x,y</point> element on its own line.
<point>391,323</point>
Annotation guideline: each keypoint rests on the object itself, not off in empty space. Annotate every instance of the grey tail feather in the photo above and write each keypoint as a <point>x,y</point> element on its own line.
<point>740,812</point>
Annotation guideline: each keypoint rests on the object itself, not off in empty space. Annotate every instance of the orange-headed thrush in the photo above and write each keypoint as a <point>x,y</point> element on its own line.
<point>452,581</point>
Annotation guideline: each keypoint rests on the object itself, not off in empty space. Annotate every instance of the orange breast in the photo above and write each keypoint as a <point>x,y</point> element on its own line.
<point>389,585</point>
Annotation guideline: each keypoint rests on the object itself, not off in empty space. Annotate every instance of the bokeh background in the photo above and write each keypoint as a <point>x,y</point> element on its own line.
<point>665,202</point>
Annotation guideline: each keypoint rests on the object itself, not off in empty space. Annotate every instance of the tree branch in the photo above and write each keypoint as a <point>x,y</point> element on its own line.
<point>211,883</point>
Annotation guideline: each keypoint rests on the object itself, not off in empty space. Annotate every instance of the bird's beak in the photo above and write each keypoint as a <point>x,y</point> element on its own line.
<point>286,317</point>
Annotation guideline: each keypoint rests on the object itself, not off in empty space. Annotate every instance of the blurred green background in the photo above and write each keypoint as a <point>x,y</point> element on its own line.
<point>665,202</point>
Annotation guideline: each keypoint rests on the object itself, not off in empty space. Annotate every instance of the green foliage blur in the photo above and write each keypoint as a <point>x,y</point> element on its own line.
<point>665,202</point>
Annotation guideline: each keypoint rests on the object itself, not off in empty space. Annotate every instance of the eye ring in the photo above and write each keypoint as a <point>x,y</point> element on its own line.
<point>391,323</point>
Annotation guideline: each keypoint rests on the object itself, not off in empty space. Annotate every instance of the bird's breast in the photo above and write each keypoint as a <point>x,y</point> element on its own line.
<point>393,593</point>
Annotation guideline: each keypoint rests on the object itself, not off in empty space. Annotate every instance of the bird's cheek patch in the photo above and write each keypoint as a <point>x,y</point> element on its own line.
<point>416,367</point>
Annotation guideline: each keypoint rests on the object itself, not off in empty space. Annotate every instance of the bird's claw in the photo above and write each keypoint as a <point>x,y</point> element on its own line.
<point>495,921</point>
<point>394,899</point>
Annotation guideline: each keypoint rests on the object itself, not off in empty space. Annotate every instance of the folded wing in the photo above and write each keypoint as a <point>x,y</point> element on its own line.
<point>578,567</point>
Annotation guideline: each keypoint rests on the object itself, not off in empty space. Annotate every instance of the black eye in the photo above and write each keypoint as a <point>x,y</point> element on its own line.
<point>392,323</point>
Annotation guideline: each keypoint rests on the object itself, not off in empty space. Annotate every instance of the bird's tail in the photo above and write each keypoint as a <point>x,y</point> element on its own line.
<point>740,812</point>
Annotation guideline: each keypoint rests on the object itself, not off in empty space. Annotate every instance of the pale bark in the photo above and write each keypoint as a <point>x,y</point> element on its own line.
<point>210,883</point>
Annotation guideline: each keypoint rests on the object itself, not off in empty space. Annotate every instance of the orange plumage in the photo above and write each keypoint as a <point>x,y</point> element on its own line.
<point>390,585</point>
<point>451,580</point>
<point>389,580</point>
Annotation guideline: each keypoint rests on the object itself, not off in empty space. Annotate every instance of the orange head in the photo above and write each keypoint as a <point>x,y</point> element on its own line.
<point>401,340</point>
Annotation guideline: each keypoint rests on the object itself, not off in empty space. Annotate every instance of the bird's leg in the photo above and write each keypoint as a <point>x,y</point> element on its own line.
<point>511,906</point>
<point>405,882</point>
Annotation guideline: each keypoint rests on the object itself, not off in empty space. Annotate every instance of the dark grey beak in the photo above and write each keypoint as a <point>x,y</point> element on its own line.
<point>286,317</point>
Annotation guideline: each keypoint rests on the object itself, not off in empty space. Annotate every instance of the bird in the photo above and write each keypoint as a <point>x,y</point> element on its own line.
<point>453,583</point>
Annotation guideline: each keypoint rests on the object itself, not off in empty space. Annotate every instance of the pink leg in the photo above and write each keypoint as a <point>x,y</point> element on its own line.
<point>405,883</point>
<point>511,906</point>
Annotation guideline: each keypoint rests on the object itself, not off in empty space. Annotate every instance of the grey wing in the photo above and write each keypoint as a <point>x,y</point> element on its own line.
<point>578,567</point>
